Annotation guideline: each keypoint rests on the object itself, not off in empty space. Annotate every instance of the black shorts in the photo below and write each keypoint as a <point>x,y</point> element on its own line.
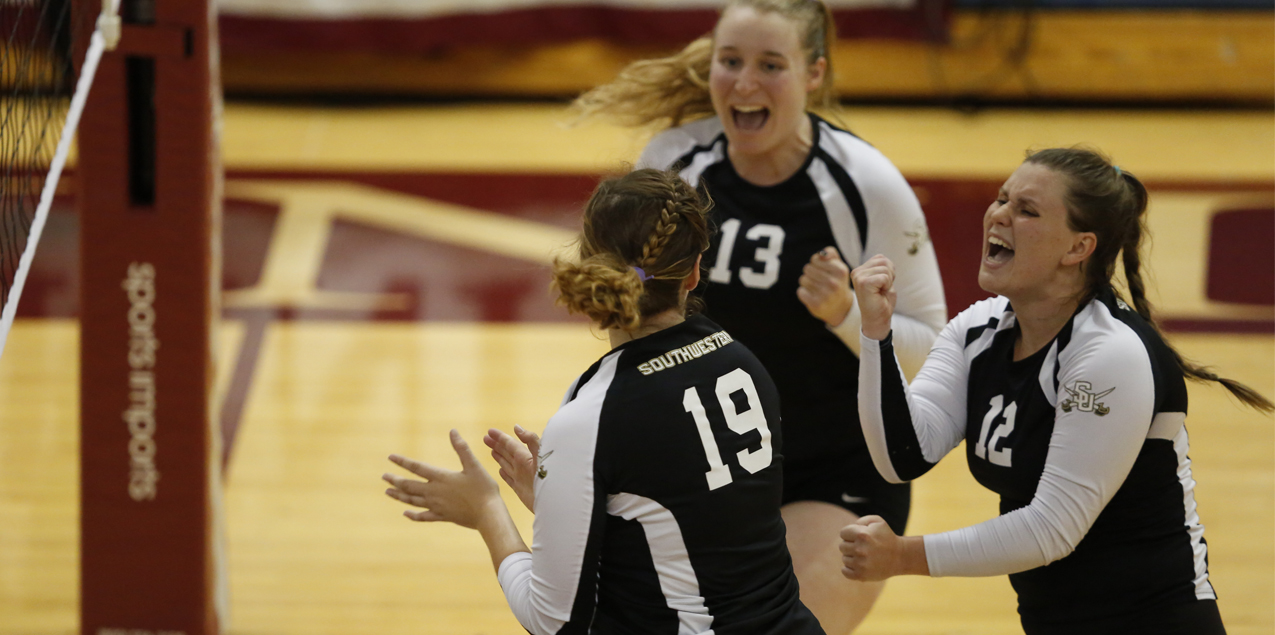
<point>1200,617</point>
<point>850,482</point>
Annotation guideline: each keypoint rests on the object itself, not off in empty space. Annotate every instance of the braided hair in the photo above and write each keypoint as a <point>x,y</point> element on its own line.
<point>641,238</point>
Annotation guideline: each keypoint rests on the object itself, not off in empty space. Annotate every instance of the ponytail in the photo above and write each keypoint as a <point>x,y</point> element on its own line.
<point>669,91</point>
<point>602,289</point>
<point>1130,250</point>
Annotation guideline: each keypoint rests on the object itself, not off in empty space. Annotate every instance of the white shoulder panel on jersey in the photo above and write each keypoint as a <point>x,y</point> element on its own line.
<point>1046,376</point>
<point>840,217</point>
<point>715,154</point>
<point>669,145</point>
<point>1093,446</point>
<point>672,562</point>
<point>896,228</point>
<point>978,315</point>
<point>542,597</point>
<point>570,390</point>
<point>866,167</point>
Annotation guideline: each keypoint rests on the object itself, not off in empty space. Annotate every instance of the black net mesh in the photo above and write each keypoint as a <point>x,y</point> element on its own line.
<point>37,79</point>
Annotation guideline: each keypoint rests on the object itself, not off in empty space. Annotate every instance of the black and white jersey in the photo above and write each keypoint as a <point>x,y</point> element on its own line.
<point>657,502</point>
<point>846,195</point>
<point>1085,441</point>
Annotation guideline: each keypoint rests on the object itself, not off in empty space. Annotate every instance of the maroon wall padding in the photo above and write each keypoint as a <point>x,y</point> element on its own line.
<point>1241,257</point>
<point>927,20</point>
<point>147,302</point>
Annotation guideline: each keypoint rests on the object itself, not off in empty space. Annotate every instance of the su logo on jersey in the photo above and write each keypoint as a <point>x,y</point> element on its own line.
<point>920,235</point>
<point>1084,400</point>
<point>541,471</point>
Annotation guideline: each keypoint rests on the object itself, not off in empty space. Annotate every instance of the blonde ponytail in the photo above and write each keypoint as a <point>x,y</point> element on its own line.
<point>668,91</point>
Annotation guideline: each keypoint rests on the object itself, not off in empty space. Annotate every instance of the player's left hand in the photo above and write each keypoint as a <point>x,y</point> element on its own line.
<point>518,460</point>
<point>824,287</point>
<point>870,550</point>
<point>465,497</point>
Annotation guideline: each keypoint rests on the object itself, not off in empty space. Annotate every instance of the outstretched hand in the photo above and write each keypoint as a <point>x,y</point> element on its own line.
<point>874,288</point>
<point>466,497</point>
<point>871,551</point>
<point>518,459</point>
<point>824,287</point>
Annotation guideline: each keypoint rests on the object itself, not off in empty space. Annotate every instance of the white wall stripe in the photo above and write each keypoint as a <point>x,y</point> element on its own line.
<point>672,563</point>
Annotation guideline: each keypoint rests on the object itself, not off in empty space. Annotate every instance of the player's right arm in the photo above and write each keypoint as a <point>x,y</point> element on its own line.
<point>907,428</point>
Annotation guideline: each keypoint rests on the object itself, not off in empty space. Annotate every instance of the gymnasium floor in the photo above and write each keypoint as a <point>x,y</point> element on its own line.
<point>385,277</point>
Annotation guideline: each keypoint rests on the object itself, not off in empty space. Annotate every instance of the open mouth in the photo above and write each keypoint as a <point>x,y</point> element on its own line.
<point>750,118</point>
<point>998,251</point>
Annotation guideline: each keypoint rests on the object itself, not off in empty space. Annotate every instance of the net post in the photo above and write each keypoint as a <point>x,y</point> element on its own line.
<point>148,176</point>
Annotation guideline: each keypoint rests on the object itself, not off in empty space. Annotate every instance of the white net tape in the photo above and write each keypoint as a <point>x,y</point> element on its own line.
<point>107,26</point>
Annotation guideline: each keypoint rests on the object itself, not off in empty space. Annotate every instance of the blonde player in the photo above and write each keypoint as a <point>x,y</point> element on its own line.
<point>799,201</point>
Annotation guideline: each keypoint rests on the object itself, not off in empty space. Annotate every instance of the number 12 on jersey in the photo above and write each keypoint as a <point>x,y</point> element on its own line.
<point>985,448</point>
<point>754,461</point>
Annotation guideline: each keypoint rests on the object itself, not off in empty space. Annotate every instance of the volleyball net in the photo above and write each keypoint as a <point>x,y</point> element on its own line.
<point>43,88</point>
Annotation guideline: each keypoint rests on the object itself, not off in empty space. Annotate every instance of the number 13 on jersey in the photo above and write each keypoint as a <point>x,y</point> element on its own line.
<point>767,254</point>
<point>751,419</point>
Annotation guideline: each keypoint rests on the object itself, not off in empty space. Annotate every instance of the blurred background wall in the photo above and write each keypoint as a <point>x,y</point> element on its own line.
<point>1142,52</point>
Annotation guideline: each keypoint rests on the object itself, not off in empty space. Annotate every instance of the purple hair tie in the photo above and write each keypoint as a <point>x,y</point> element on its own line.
<point>642,274</point>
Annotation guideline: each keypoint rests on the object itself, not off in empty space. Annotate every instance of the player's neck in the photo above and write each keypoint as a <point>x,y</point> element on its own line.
<point>1039,322</point>
<point>652,324</point>
<point>777,164</point>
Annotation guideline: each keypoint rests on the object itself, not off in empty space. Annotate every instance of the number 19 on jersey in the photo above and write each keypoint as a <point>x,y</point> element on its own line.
<point>744,422</point>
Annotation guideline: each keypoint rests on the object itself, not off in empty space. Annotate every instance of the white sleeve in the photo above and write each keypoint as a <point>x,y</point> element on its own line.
<point>1089,457</point>
<point>670,145</point>
<point>897,230</point>
<point>908,429</point>
<point>542,587</point>
<point>662,151</point>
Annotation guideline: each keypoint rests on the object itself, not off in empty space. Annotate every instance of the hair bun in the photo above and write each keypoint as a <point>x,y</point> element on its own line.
<point>601,288</point>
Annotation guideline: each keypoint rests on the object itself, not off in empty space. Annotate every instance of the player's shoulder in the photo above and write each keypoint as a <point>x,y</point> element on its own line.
<point>581,409</point>
<point>985,316</point>
<point>1109,325</point>
<point>673,145</point>
<point>1107,344</point>
<point>853,153</point>
<point>1106,350</point>
<point>856,164</point>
